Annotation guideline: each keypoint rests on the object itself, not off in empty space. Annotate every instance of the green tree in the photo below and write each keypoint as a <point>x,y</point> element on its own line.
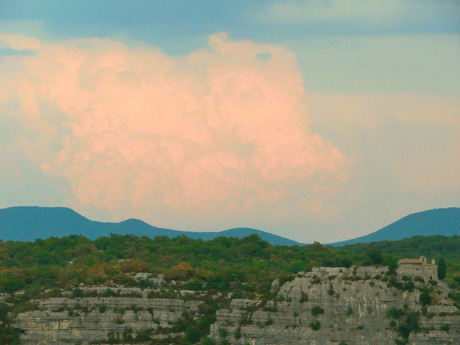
<point>425,298</point>
<point>373,257</point>
<point>442,269</point>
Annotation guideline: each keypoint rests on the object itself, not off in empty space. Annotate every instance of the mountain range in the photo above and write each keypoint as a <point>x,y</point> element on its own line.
<point>27,223</point>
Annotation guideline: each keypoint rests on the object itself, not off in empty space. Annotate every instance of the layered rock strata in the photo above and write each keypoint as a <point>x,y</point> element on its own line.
<point>327,306</point>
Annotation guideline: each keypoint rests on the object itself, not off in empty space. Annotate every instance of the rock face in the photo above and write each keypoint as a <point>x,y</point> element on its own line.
<point>360,306</point>
<point>342,306</point>
<point>89,320</point>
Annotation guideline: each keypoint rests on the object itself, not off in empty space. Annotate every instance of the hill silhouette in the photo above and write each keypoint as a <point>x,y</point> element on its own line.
<point>28,223</point>
<point>441,221</point>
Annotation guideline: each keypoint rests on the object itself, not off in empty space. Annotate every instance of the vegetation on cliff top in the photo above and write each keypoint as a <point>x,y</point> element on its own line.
<point>246,265</point>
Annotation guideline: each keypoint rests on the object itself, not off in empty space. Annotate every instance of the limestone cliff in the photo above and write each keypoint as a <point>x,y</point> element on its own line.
<point>358,305</point>
<point>343,306</point>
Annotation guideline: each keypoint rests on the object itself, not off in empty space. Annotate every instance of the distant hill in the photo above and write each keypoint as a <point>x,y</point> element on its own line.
<point>30,223</point>
<point>441,221</point>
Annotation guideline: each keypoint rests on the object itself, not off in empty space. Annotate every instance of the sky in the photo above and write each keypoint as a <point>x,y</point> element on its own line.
<point>313,120</point>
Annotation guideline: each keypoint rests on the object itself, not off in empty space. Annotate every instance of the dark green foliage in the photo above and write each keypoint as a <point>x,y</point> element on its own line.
<point>193,334</point>
<point>346,262</point>
<point>409,285</point>
<point>349,311</point>
<point>442,269</point>
<point>395,313</point>
<point>425,298</point>
<point>144,335</point>
<point>331,291</point>
<point>409,325</point>
<point>77,293</point>
<point>317,310</point>
<point>208,341</point>
<point>223,333</point>
<point>315,325</point>
<point>373,257</point>
<point>237,333</point>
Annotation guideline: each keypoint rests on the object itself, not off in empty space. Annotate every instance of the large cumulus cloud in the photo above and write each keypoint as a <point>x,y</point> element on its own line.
<point>217,133</point>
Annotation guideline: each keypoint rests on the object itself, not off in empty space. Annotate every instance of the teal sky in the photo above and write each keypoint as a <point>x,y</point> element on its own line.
<point>369,132</point>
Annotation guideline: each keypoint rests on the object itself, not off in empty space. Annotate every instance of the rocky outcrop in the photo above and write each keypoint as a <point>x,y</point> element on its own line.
<point>359,305</point>
<point>328,306</point>
<point>116,319</point>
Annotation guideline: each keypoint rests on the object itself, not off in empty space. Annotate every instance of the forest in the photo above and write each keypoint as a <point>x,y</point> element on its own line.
<point>248,265</point>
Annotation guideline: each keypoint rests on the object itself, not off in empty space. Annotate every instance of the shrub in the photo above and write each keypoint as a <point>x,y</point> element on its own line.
<point>409,285</point>
<point>144,335</point>
<point>77,293</point>
<point>315,311</point>
<point>409,325</point>
<point>331,291</point>
<point>237,333</point>
<point>315,325</point>
<point>349,311</point>
<point>223,333</point>
<point>425,298</point>
<point>395,313</point>
<point>208,341</point>
<point>269,322</point>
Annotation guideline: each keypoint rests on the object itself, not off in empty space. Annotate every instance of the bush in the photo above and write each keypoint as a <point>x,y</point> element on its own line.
<point>223,333</point>
<point>409,325</point>
<point>315,311</point>
<point>395,313</point>
<point>237,333</point>
<point>77,293</point>
<point>208,341</point>
<point>315,325</point>
<point>349,311</point>
<point>144,335</point>
<point>425,298</point>
<point>409,286</point>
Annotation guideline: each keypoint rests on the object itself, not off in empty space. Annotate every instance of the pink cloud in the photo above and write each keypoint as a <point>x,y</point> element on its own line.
<point>140,133</point>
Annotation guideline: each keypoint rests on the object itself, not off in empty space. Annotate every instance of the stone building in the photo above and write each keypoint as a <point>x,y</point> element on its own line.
<point>418,268</point>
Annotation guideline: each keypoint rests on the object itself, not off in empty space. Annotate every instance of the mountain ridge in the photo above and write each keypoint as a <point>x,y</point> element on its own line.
<point>27,223</point>
<point>438,221</point>
<point>44,222</point>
